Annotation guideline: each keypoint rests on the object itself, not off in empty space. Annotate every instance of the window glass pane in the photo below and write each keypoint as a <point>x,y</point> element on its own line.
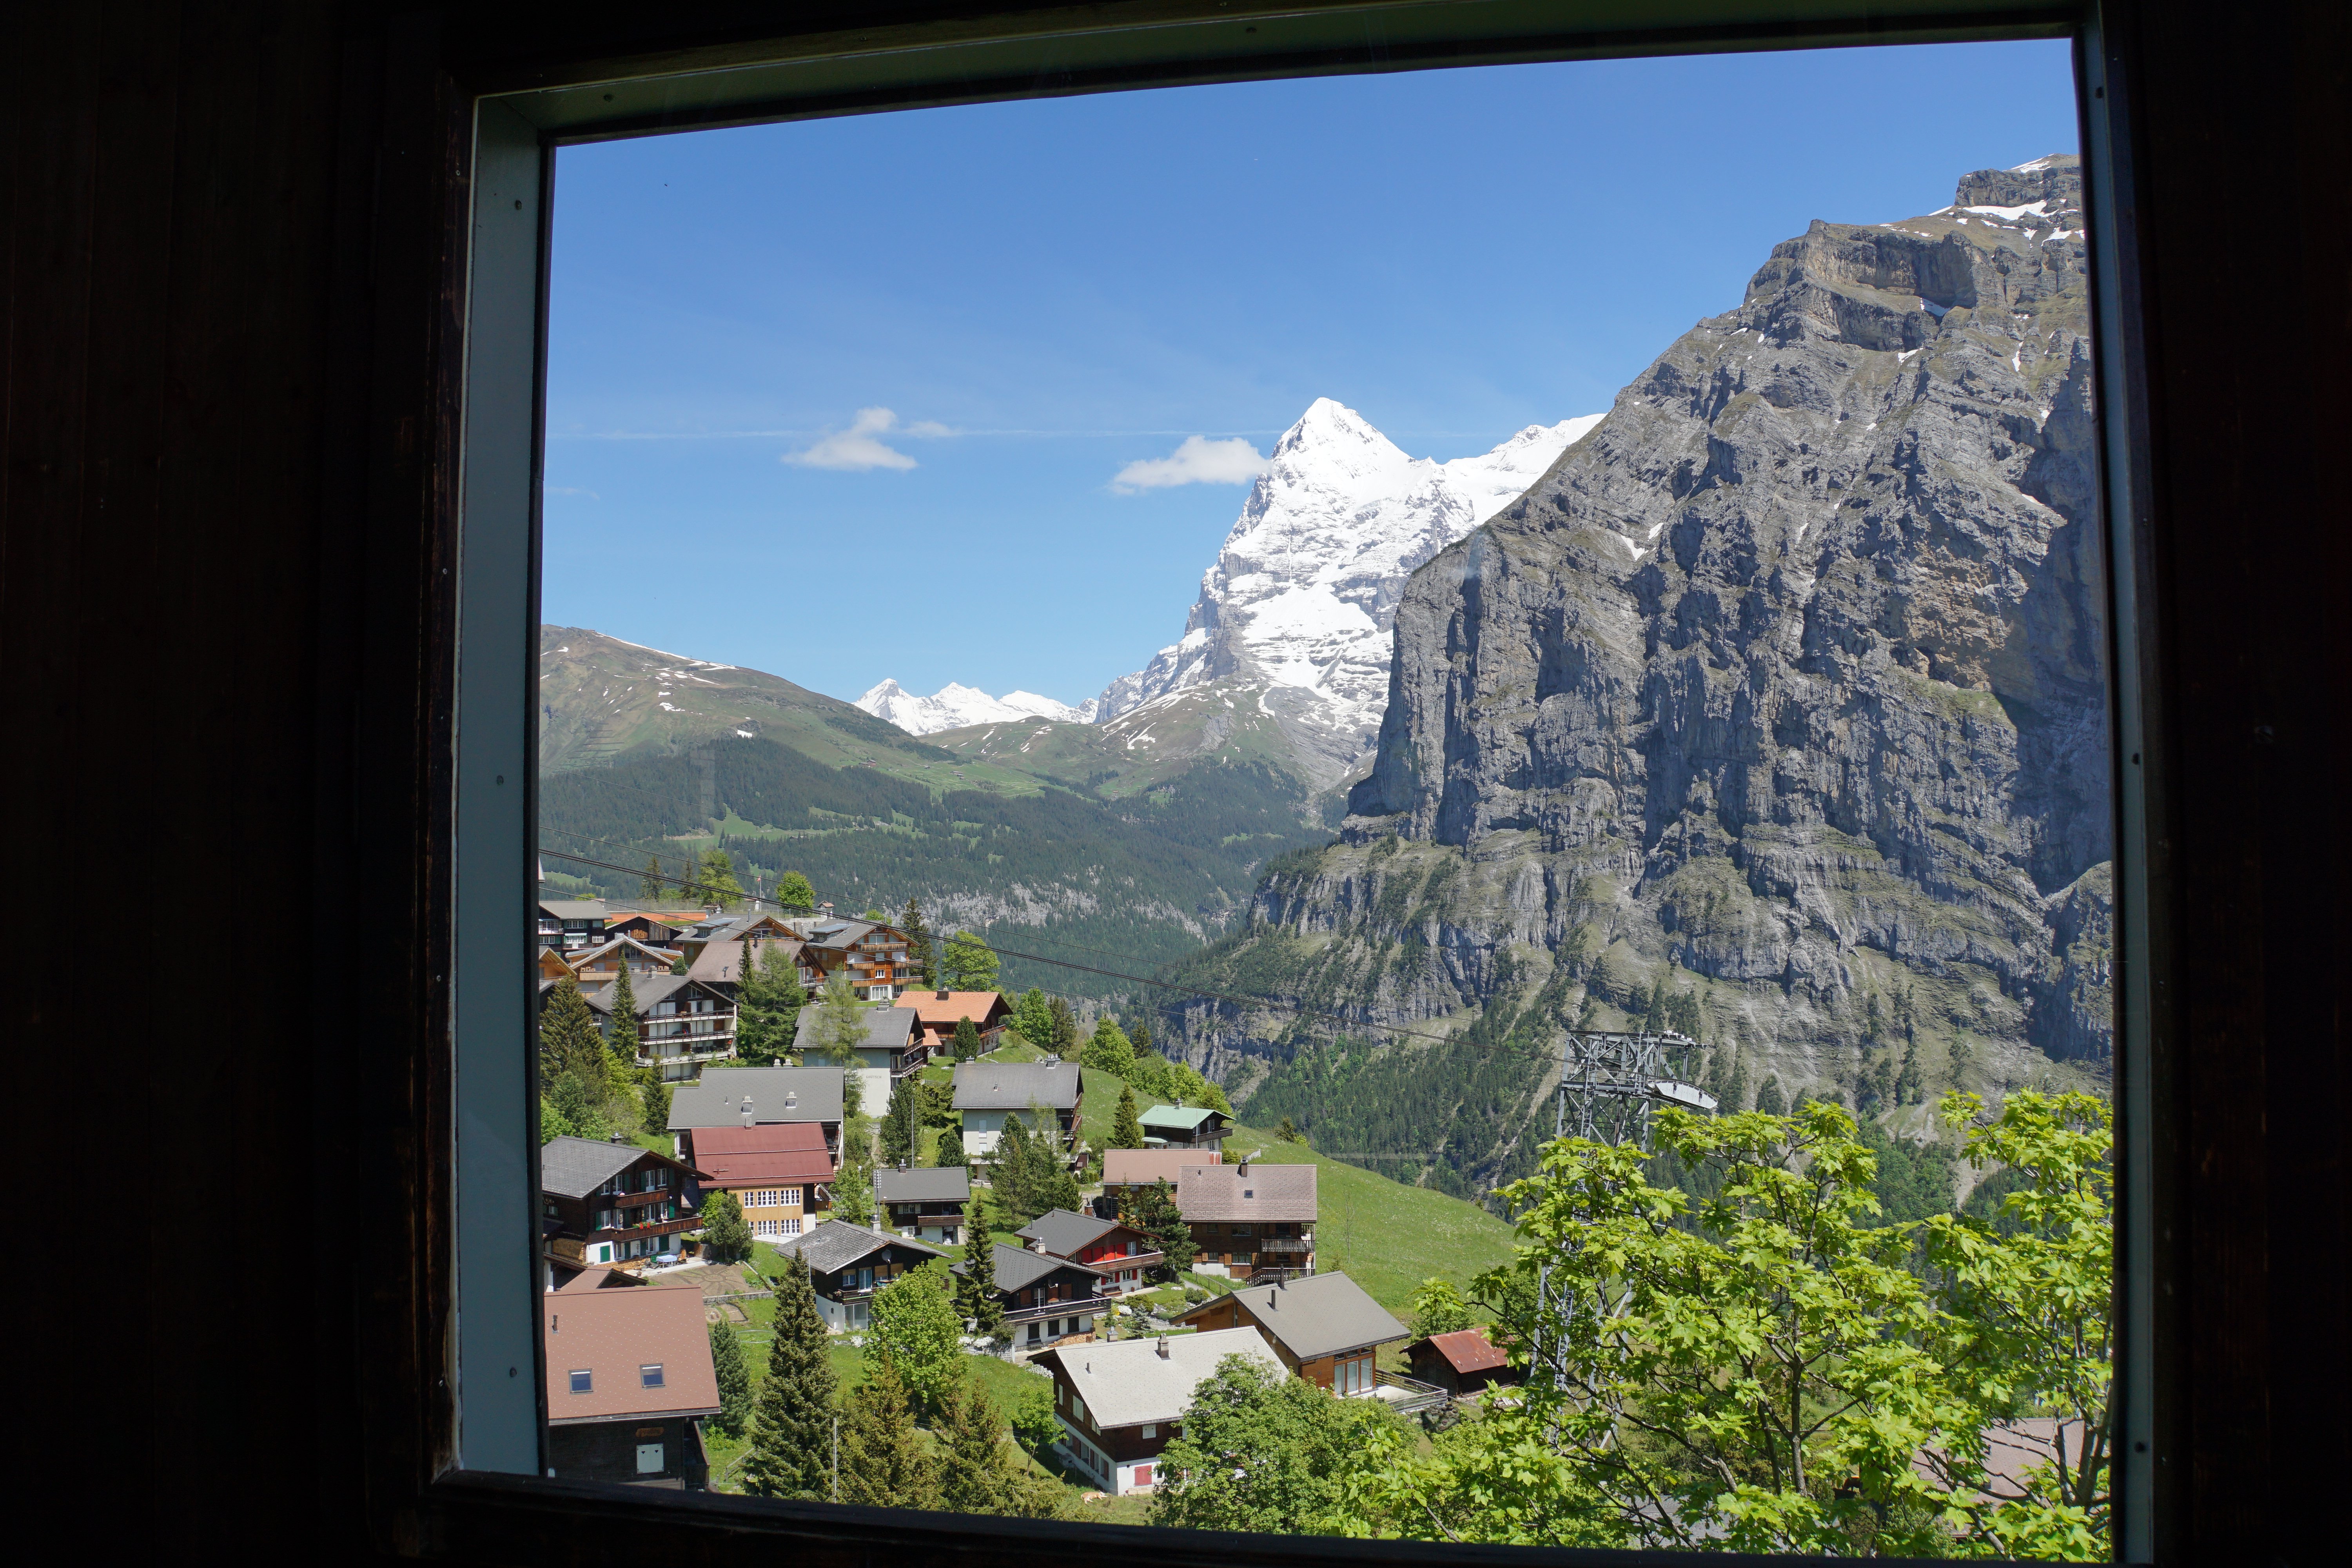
<point>1557,612</point>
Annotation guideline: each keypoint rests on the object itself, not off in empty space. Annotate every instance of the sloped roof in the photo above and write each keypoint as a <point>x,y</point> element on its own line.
<point>1246,1191</point>
<point>760,1137</point>
<point>1126,1383</point>
<point>574,1167</point>
<point>1015,1086</point>
<point>1464,1350</point>
<point>777,1094</point>
<point>939,1185</point>
<point>722,960</point>
<point>886,1029</point>
<point>1017,1268</point>
<point>836,1244</point>
<point>939,1012</point>
<point>611,1335</point>
<point>839,933</point>
<point>1316,1315</point>
<point>759,1167</point>
<point>1141,1167</point>
<point>1185,1118</point>
<point>1061,1233</point>
<point>574,909</point>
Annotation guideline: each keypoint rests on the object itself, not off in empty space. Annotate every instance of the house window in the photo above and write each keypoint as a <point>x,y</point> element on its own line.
<point>791,1226</point>
<point>583,1382</point>
<point>1150,1430</point>
<point>649,1458</point>
<point>650,1376</point>
<point>789,1197</point>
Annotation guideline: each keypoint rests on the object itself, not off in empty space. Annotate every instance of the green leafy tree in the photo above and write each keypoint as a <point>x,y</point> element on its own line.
<point>1033,1018</point>
<point>900,1122</point>
<point>1108,1051</point>
<point>853,1190</point>
<point>552,1122</point>
<point>1126,1126</point>
<point>726,1235</point>
<point>1194,1090</point>
<point>1263,1450</point>
<point>921,956</point>
<point>650,885</point>
<point>976,1282</point>
<point>968,964</point>
<point>967,1040</point>
<point>915,1326</point>
<point>715,878</point>
<point>1153,1210</point>
<point>1758,1371</point>
<point>841,1021</point>
<point>793,892</point>
<point>734,1381</point>
<point>883,1464</point>
<point>1438,1308</point>
<point>791,1431</point>
<point>768,1002</point>
<point>678,965</point>
<point>1287,1132</point>
<point>1035,1425</point>
<point>581,1113</point>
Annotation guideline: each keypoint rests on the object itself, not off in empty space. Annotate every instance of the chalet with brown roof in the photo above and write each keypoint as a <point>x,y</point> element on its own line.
<point>780,1173</point>
<point>1249,1221</point>
<point>629,1382</point>
<point>937,1012</point>
<point>1462,1362</point>
<point>602,964</point>
<point>552,966</point>
<point>1324,1328</point>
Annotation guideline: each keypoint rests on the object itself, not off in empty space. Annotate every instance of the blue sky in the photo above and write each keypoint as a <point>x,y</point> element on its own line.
<point>1043,293</point>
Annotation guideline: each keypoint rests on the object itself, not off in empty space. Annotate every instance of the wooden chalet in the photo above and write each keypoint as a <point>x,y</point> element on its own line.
<point>1249,1221</point>
<point>926,1203</point>
<point>1324,1327</point>
<point>781,1172</point>
<point>1185,1127</point>
<point>629,1382</point>
<point>1463,1362</point>
<point>1046,1301</point>
<point>1120,1403</point>
<point>937,1013</point>
<point>613,1203</point>
<point>1120,1253</point>
<point>847,1263</point>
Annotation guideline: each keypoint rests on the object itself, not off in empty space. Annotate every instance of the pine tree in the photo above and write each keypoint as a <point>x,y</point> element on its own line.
<point>1127,1128</point>
<point>882,1460</point>
<point>1770,1100</point>
<point>791,1436</point>
<point>1154,1212</point>
<point>649,886</point>
<point>1910,1084</point>
<point>567,1031</point>
<point>734,1381</point>
<point>967,1040</point>
<point>624,1040</point>
<point>900,1124</point>
<point>978,1472</point>
<point>1654,1014</point>
<point>1139,1036</point>
<point>655,1094</point>
<point>1062,1030</point>
<point>716,880</point>
<point>1735,1097</point>
<point>1033,1018</point>
<point>976,1285</point>
<point>1009,1173</point>
<point>952,1148</point>
<point>853,1190</point>
<point>920,954</point>
<point>1287,1133</point>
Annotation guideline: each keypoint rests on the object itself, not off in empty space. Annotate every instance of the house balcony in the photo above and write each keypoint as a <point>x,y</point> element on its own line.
<point>1082,1307</point>
<point>1285,1244</point>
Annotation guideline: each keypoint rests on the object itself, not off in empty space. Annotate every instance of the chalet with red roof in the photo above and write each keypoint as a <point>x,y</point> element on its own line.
<point>629,1383</point>
<point>779,1171</point>
<point>1463,1362</point>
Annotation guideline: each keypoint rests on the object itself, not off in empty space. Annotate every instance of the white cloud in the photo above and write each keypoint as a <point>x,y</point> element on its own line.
<point>858,448</point>
<point>1196,462</point>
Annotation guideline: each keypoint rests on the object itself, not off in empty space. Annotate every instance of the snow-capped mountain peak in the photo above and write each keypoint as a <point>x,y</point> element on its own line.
<point>953,706</point>
<point>1303,594</point>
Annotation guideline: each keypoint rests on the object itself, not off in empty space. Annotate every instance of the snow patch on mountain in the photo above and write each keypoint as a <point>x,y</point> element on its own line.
<point>1303,593</point>
<point>953,706</point>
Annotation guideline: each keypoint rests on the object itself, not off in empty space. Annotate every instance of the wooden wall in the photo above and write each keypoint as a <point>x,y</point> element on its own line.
<point>225,452</point>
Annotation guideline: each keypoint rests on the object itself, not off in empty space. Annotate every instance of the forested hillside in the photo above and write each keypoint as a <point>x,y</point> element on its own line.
<point>1141,881</point>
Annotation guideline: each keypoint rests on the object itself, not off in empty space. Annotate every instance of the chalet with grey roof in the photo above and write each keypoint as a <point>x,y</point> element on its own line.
<point>613,1203</point>
<point>747,1096</point>
<point>986,1092</point>
<point>1046,1300</point>
<point>1324,1327</point>
<point>1120,1403</point>
<point>848,1264</point>
<point>1249,1221</point>
<point>925,1203</point>
<point>1120,1253</point>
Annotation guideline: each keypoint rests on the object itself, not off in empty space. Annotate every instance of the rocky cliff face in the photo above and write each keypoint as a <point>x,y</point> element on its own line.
<point>1784,684</point>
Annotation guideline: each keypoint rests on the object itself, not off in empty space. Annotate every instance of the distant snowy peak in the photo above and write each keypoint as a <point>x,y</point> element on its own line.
<point>953,706</point>
<point>1304,591</point>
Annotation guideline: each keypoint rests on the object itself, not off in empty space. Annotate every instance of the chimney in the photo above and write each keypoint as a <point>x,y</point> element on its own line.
<point>612,1138</point>
<point>1163,1347</point>
<point>747,1110</point>
<point>1270,1300</point>
<point>944,994</point>
<point>1243,1169</point>
<point>792,1098</point>
<point>825,910</point>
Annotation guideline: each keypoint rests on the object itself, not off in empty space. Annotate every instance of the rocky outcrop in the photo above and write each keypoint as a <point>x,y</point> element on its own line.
<point>1785,684</point>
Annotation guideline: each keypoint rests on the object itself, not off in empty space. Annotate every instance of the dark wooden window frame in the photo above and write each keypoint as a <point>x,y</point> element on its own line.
<point>448,125</point>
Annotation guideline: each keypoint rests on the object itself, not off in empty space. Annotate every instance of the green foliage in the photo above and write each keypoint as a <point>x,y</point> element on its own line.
<point>553,1123</point>
<point>1030,1174</point>
<point>1126,1124</point>
<point>968,963</point>
<point>967,1040</point>
<point>1033,1018</point>
<point>977,1473</point>
<point>1915,1181</point>
<point>791,1433</point>
<point>568,1041</point>
<point>715,881</point>
<point>920,953</point>
<point>976,1284</point>
<point>793,892</point>
<point>1035,1425</point>
<point>649,886</point>
<point>655,1093</point>
<point>915,1326</point>
<point>726,1235</point>
<point>1174,1083</point>
<point>621,1038</point>
<point>768,1001</point>
<point>900,1122</point>
<point>840,1022</point>
<point>853,1189</point>
<point>734,1381</point>
<point>1770,1100</point>
<point>1060,1034</point>
<point>1153,1210</point>
<point>1109,1052</point>
<point>883,1464</point>
<point>1438,1308</point>
<point>1139,1035</point>
<point>952,1148</point>
<point>1263,1450</point>
<point>1288,1131</point>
